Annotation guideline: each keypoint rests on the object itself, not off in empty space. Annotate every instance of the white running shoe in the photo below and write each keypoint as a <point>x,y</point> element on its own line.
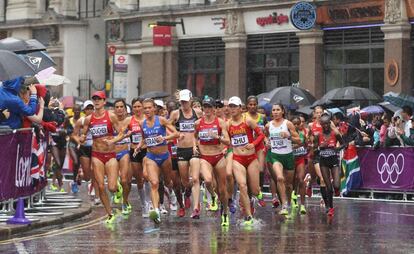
<point>91,189</point>
<point>173,202</point>
<point>96,201</point>
<point>163,210</point>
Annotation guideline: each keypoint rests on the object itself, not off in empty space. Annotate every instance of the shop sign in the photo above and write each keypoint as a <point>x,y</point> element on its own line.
<point>303,15</point>
<point>273,18</point>
<point>121,63</point>
<point>367,11</point>
<point>162,36</point>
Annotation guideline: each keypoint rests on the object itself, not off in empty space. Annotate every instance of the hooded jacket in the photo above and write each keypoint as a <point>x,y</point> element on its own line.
<point>9,99</point>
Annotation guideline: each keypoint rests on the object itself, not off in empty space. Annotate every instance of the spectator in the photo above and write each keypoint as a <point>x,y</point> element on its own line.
<point>377,127</point>
<point>393,139</point>
<point>407,114</point>
<point>408,140</point>
<point>9,99</point>
<point>384,128</point>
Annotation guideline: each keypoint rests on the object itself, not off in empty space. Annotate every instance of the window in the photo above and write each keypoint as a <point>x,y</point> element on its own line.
<point>201,66</point>
<point>132,31</point>
<point>272,61</point>
<point>354,57</point>
<point>91,8</point>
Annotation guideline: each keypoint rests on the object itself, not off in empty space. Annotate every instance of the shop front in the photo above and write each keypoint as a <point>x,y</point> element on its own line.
<point>353,45</point>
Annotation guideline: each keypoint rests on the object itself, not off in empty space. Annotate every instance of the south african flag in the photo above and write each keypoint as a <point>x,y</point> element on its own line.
<point>351,173</point>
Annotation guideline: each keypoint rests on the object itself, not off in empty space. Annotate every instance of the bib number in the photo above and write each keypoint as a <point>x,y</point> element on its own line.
<point>301,151</point>
<point>239,140</point>
<point>187,127</point>
<point>99,130</point>
<point>204,135</point>
<point>151,141</point>
<point>136,138</point>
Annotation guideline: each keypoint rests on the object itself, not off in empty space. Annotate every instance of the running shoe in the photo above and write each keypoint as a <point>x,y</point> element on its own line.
<point>284,210</point>
<point>195,214</point>
<point>302,209</point>
<point>294,198</point>
<point>163,210</point>
<point>248,221</point>
<point>260,199</point>
<point>232,206</point>
<point>337,193</point>
<point>53,187</point>
<point>118,194</point>
<point>145,211</point>
<point>110,219</point>
<point>187,202</point>
<point>125,210</point>
<point>213,205</point>
<point>74,187</point>
<point>155,216</point>
<point>322,203</point>
<point>96,201</point>
<point>173,202</point>
<point>275,202</point>
<point>181,212</point>
<point>225,220</point>
<point>62,190</point>
<point>331,212</point>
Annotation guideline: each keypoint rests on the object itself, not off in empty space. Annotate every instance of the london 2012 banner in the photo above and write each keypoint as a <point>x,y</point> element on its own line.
<point>15,166</point>
<point>387,168</point>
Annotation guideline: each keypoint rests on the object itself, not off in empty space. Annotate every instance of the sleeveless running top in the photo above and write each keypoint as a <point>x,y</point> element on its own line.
<point>316,128</point>
<point>136,131</point>
<point>204,129</point>
<point>150,133</point>
<point>278,144</point>
<point>124,141</point>
<point>329,150</point>
<point>101,127</point>
<point>241,134</point>
<point>88,139</point>
<point>301,151</point>
<point>260,119</point>
<point>186,124</point>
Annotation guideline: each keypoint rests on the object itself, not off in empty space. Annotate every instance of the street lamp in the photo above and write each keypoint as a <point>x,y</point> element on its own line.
<point>168,23</point>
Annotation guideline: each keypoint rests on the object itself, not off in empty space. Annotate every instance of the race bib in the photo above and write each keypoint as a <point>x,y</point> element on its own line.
<point>99,130</point>
<point>301,151</point>
<point>174,150</point>
<point>239,140</point>
<point>327,153</point>
<point>204,135</point>
<point>277,143</point>
<point>187,126</point>
<point>136,138</point>
<point>151,141</point>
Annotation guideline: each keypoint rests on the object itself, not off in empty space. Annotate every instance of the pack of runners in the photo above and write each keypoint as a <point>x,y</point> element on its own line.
<point>218,155</point>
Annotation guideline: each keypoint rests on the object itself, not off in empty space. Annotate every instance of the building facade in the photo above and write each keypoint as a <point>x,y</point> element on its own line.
<point>73,32</point>
<point>248,47</point>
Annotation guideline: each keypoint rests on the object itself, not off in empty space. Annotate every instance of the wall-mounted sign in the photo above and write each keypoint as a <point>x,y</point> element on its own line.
<point>303,15</point>
<point>220,22</point>
<point>392,72</point>
<point>273,18</point>
<point>367,11</point>
<point>162,36</point>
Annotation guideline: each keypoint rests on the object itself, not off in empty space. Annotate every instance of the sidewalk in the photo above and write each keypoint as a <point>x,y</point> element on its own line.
<point>7,230</point>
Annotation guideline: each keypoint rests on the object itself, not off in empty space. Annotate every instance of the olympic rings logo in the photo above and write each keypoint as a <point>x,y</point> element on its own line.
<point>390,168</point>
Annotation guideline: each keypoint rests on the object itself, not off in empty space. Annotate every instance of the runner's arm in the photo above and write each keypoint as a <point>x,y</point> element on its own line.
<point>174,133</point>
<point>293,133</point>
<point>85,128</point>
<point>259,133</point>
<point>224,138</point>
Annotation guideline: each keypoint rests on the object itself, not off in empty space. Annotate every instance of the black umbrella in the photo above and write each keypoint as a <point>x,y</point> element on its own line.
<point>21,46</point>
<point>39,60</point>
<point>154,95</point>
<point>293,97</point>
<point>356,94</point>
<point>327,100</point>
<point>12,66</point>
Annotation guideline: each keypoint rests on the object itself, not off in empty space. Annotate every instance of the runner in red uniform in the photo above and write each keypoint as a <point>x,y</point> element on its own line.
<point>211,133</point>
<point>245,163</point>
<point>101,125</point>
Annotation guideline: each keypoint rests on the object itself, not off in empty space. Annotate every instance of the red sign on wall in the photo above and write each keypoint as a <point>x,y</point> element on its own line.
<point>273,18</point>
<point>162,36</point>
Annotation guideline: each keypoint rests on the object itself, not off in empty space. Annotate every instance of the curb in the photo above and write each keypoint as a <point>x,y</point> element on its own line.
<point>7,231</point>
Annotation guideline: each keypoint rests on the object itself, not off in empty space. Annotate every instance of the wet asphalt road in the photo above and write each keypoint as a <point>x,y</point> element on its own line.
<point>358,227</point>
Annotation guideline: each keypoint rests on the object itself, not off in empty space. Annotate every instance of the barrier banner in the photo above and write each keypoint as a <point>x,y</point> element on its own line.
<point>387,168</point>
<point>15,165</point>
